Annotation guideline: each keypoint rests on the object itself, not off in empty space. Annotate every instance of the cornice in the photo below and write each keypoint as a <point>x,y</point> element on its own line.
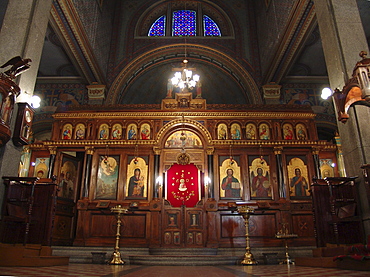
<point>69,25</point>
<point>280,144</point>
<point>162,115</point>
<point>301,20</point>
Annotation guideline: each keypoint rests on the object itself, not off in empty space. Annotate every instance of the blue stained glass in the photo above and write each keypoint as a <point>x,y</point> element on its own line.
<point>158,28</point>
<point>210,27</point>
<point>184,23</point>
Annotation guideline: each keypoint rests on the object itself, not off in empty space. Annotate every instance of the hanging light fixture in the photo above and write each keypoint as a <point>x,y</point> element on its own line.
<point>185,79</point>
<point>262,160</point>
<point>106,154</point>
<point>231,155</point>
<point>136,154</point>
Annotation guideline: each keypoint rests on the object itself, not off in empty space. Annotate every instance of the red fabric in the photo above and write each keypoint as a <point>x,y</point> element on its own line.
<point>182,185</point>
<point>356,252</point>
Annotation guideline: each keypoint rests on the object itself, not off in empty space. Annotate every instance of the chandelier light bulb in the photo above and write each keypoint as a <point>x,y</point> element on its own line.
<point>188,73</point>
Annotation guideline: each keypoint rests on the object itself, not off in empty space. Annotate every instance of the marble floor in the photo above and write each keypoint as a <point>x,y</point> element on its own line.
<point>78,270</point>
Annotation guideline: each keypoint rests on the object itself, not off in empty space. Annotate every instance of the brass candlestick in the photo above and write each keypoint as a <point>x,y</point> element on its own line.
<point>116,256</point>
<point>246,211</point>
<point>285,235</point>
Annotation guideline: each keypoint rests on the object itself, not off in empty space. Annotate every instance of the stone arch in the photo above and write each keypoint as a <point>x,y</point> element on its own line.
<point>175,53</point>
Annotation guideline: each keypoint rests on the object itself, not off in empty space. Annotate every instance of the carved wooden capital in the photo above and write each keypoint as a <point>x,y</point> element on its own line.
<point>316,150</point>
<point>157,150</point>
<point>52,150</point>
<point>278,150</point>
<point>89,150</point>
<point>210,150</point>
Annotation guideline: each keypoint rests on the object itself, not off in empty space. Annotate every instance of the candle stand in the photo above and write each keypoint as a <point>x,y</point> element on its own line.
<point>116,256</point>
<point>246,211</point>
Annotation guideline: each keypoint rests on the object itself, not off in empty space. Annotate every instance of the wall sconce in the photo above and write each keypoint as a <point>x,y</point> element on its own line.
<point>356,90</point>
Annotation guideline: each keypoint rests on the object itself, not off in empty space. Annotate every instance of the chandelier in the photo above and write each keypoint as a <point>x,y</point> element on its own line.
<point>185,79</point>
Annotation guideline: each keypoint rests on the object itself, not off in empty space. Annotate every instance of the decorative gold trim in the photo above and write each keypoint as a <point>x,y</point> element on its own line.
<point>183,159</point>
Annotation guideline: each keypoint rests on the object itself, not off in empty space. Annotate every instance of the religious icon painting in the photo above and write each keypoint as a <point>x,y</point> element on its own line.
<point>24,163</point>
<point>167,238</point>
<point>41,167</point>
<point>67,131</point>
<point>145,131</point>
<point>116,131</point>
<point>326,168</point>
<point>103,132</point>
<point>183,139</point>
<point>107,179</point>
<point>259,171</point>
<point>172,220</point>
<point>264,131</point>
<point>137,178</point>
<point>298,177</point>
<point>235,131</point>
<point>176,238</point>
<point>132,131</point>
<point>230,186</point>
<point>222,131</point>
<point>199,238</point>
<point>251,131</point>
<point>288,133</point>
<point>194,220</point>
<point>80,131</point>
<point>190,238</point>
<point>68,177</point>
<point>301,132</point>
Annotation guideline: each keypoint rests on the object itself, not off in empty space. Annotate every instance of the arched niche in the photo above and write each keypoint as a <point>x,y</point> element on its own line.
<point>197,153</point>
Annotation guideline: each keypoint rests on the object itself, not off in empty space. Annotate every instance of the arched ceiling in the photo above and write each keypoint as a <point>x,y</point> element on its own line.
<point>216,85</point>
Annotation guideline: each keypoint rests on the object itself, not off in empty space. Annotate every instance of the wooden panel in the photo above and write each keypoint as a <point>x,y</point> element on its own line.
<point>232,225</point>
<point>303,225</point>
<point>262,225</point>
<point>134,226</point>
<point>103,225</point>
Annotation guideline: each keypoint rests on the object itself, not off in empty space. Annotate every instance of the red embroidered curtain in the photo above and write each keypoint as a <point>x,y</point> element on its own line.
<point>183,185</point>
